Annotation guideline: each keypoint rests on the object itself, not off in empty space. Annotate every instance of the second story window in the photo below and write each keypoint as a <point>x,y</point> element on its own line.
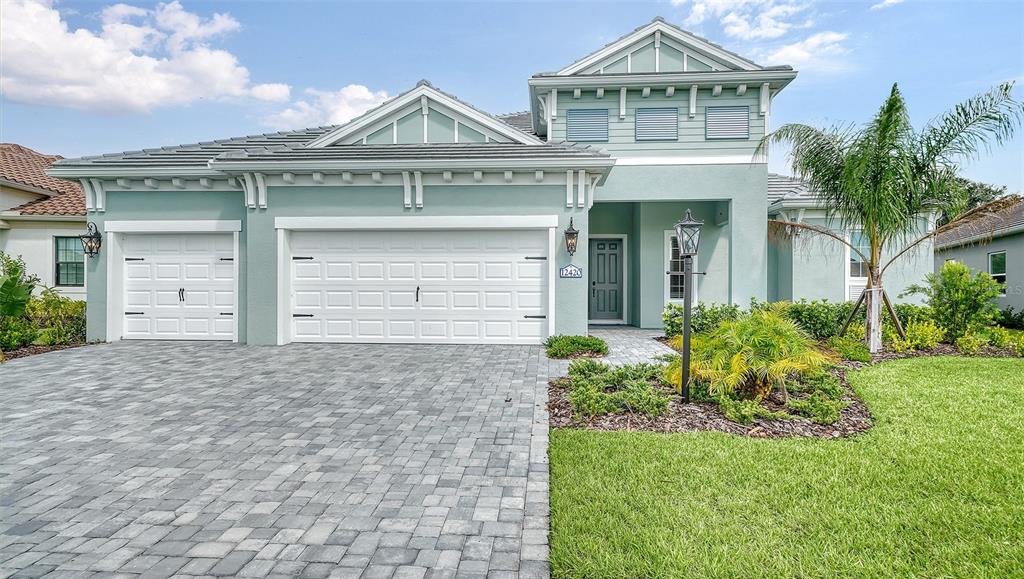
<point>727,122</point>
<point>660,124</point>
<point>583,125</point>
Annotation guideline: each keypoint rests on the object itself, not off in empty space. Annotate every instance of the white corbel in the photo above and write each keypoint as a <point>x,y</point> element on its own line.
<point>90,198</point>
<point>250,190</point>
<point>717,90</point>
<point>693,100</point>
<point>577,93</point>
<point>288,178</point>
<point>346,177</point>
<point>600,93</point>
<point>150,183</point>
<point>446,176</point>
<point>205,182</point>
<point>123,183</point>
<point>318,177</point>
<point>508,176</point>
<point>418,177</point>
<point>741,90</point>
<point>538,176</point>
<point>261,190</point>
<point>568,188</point>
<point>593,187</point>
<point>765,95</point>
<point>377,177</point>
<point>406,189</point>
<point>553,102</point>
<point>622,103</point>
<point>478,176</point>
<point>646,92</point>
<point>669,91</point>
<point>581,188</point>
<point>100,193</point>
<point>177,182</point>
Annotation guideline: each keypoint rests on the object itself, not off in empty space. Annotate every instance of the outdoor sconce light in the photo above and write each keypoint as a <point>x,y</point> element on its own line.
<point>688,235</point>
<point>91,240</point>
<point>572,236</point>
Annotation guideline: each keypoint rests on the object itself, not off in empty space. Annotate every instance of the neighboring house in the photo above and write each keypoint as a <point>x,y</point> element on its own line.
<point>992,243</point>
<point>814,267</point>
<point>428,220</point>
<point>41,218</point>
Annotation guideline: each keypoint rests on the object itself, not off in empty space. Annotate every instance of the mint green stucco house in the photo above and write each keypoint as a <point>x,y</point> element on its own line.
<point>428,220</point>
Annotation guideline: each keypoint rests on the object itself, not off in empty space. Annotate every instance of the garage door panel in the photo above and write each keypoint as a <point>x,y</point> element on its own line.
<point>471,286</point>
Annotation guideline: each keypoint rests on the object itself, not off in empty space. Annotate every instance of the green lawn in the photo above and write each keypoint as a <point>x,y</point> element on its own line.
<point>935,489</point>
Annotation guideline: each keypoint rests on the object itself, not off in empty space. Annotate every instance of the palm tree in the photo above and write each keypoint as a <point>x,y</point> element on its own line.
<point>886,178</point>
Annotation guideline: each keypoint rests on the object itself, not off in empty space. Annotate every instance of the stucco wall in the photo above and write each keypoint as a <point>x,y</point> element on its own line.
<point>975,256</point>
<point>33,241</point>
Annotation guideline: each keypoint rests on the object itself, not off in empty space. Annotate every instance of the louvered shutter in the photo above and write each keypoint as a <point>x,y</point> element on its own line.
<point>660,124</point>
<point>727,122</point>
<point>587,125</point>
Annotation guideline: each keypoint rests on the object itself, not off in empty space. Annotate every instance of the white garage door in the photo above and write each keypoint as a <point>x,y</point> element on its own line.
<point>419,286</point>
<point>179,286</point>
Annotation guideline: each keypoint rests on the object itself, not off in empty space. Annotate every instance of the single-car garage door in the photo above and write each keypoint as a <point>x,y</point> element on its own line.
<point>457,286</point>
<point>179,286</point>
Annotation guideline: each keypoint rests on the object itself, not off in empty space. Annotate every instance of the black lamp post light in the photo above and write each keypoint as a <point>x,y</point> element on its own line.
<point>688,235</point>
<point>91,240</point>
<point>572,237</point>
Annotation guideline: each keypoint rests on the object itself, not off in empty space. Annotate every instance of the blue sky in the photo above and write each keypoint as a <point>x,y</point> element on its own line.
<point>94,77</point>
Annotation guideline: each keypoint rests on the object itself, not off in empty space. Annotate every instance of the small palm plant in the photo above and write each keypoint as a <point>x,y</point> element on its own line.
<point>886,178</point>
<point>752,355</point>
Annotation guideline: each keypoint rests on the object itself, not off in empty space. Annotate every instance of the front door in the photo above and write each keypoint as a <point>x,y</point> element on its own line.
<point>606,279</point>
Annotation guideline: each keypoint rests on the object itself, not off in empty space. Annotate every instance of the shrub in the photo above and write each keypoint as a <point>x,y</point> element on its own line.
<point>999,337</point>
<point>746,411</point>
<point>596,389</point>
<point>1018,346</point>
<point>1010,319</point>
<point>818,407</point>
<point>753,355</point>
<point>924,335</point>
<point>586,368</point>
<point>61,320</point>
<point>959,301</point>
<point>911,313</point>
<point>821,319</point>
<point>971,343</point>
<point>703,319</point>
<point>821,381</point>
<point>568,346</point>
<point>849,349</point>
<point>16,333</point>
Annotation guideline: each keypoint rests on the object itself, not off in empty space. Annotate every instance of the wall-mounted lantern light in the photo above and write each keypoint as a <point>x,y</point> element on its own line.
<point>91,240</point>
<point>572,236</point>
<point>688,235</point>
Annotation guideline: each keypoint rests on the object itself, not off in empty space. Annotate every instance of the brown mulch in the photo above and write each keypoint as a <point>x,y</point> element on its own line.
<point>582,354</point>
<point>33,350</point>
<point>945,350</point>
<point>705,417</point>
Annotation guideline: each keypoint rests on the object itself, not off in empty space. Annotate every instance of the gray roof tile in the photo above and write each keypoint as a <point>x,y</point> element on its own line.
<point>993,219</point>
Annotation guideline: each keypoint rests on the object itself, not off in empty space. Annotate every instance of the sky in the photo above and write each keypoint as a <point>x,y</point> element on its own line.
<point>80,78</point>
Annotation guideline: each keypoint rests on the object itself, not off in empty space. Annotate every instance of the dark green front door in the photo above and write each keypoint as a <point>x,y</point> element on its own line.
<point>606,279</point>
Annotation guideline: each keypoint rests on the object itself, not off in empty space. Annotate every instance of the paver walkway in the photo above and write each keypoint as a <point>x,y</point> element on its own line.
<point>630,345</point>
<point>163,459</point>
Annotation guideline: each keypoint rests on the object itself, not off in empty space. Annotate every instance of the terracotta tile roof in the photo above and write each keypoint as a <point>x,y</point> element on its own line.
<point>22,166</point>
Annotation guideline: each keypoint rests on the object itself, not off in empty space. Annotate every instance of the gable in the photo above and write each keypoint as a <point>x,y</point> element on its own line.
<point>658,48</point>
<point>424,115</point>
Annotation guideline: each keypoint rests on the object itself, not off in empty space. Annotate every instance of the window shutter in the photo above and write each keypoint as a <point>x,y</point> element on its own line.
<point>727,122</point>
<point>586,125</point>
<point>660,124</point>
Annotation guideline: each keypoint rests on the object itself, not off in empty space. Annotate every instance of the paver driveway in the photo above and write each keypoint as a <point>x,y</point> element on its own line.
<point>314,460</point>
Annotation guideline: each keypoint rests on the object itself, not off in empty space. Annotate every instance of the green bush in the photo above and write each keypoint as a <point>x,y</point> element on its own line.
<point>596,389</point>
<point>971,343</point>
<point>1018,346</point>
<point>999,337</point>
<point>924,335</point>
<point>60,320</point>
<point>911,313</point>
<point>569,346</point>
<point>849,348</point>
<point>16,333</point>
<point>821,381</point>
<point>746,411</point>
<point>959,301</point>
<point>1011,319</point>
<point>818,407</point>
<point>703,318</point>
<point>821,319</point>
<point>753,355</point>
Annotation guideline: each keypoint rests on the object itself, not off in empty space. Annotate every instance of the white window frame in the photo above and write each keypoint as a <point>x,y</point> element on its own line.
<point>988,268</point>
<point>851,281</point>
<point>625,278</point>
<point>669,234</point>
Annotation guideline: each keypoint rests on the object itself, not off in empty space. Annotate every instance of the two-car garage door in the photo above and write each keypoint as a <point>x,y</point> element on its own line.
<point>456,286</point>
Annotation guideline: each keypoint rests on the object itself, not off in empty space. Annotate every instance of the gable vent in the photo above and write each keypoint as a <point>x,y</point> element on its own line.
<point>727,123</point>
<point>661,124</point>
<point>586,125</point>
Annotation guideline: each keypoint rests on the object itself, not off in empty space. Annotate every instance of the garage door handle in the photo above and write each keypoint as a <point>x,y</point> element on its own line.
<point>133,259</point>
<point>302,315</point>
<point>417,293</point>
<point>134,313</point>
<point>537,257</point>
<point>535,317</point>
<point>300,258</point>
<point>227,314</point>
<point>181,295</point>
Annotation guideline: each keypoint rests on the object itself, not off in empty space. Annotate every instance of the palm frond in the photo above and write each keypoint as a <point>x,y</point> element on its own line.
<point>972,127</point>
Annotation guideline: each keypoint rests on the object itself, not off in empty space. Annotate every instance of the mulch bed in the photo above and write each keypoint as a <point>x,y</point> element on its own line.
<point>945,350</point>
<point>33,350</point>
<point>583,354</point>
<point>705,417</point>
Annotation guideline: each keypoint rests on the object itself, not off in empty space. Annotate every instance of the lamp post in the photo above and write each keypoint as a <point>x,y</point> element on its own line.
<point>688,235</point>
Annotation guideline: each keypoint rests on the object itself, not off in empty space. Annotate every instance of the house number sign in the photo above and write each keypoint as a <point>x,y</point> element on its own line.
<point>571,271</point>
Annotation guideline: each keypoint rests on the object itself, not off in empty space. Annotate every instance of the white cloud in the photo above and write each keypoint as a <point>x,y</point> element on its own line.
<point>139,60</point>
<point>326,107</point>
<point>749,19</point>
<point>886,4</point>
<point>821,51</point>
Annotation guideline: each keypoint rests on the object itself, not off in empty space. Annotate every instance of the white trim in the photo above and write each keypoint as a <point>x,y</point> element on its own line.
<point>406,190</point>
<point>412,96</point>
<point>115,285</point>
<point>669,234</point>
<point>90,199</point>
<point>235,258</point>
<point>173,226</point>
<point>727,78</point>
<point>261,190</point>
<point>674,160</point>
<point>284,289</point>
<point>568,188</point>
<point>418,180</point>
<point>764,98</point>
<point>686,39</point>
<point>419,222</point>
<point>581,188</point>
<point>625,279</point>
<point>552,274</point>
<point>99,194</point>
<point>848,280</point>
<point>693,101</point>
<point>299,165</point>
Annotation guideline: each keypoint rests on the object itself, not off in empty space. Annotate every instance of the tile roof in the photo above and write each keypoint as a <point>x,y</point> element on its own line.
<point>23,166</point>
<point>994,219</point>
<point>784,187</point>
<point>522,120</point>
<point>467,151</point>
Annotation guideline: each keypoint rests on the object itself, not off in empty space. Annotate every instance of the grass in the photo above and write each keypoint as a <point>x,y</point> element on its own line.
<point>569,346</point>
<point>935,489</point>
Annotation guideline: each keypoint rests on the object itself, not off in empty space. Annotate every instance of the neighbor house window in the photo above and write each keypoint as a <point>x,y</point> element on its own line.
<point>661,124</point>
<point>583,125</point>
<point>858,267</point>
<point>727,122</point>
<point>997,267</point>
<point>69,262</point>
<point>675,268</point>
